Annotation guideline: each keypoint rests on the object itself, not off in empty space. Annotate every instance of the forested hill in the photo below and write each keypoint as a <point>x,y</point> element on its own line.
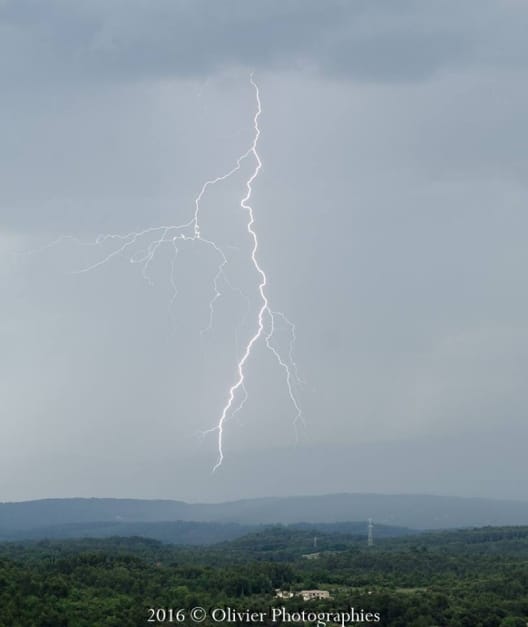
<point>414,511</point>
<point>191,533</point>
<point>476,578</point>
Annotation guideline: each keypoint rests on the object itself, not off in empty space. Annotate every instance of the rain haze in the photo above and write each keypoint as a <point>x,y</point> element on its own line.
<point>392,217</point>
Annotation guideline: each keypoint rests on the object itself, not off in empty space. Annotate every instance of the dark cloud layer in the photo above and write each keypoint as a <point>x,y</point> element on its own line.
<point>360,39</point>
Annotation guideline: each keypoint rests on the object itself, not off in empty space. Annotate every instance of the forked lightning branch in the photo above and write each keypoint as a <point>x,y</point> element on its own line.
<point>142,247</point>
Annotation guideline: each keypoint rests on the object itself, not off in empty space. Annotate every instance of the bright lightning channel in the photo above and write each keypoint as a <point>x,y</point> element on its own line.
<point>142,247</point>
<point>264,310</point>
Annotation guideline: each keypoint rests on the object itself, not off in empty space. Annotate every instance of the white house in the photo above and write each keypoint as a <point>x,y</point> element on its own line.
<point>309,595</point>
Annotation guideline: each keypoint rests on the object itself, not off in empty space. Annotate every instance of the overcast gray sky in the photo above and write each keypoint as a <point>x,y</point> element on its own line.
<point>392,217</point>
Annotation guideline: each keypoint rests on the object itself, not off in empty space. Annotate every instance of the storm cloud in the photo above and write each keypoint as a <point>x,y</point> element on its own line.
<point>391,212</point>
<point>371,41</point>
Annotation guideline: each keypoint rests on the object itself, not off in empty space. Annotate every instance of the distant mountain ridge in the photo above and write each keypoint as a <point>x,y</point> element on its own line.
<point>412,511</point>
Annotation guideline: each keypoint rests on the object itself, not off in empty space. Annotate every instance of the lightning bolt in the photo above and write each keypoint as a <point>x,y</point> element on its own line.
<point>143,246</point>
<point>264,310</point>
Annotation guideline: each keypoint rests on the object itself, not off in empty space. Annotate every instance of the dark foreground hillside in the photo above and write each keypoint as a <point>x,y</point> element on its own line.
<point>470,578</point>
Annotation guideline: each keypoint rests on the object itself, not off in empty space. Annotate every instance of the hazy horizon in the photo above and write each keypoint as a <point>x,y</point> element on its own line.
<point>263,498</point>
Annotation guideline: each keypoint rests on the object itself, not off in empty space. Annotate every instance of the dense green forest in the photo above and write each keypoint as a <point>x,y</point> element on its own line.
<point>469,578</point>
